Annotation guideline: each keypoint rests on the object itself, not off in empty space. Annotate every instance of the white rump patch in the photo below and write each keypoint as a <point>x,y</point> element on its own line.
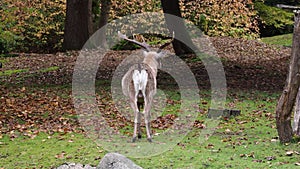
<point>140,81</point>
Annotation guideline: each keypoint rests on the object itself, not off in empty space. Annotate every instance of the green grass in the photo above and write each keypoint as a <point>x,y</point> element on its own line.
<point>282,40</point>
<point>15,71</point>
<point>46,151</point>
<point>3,60</point>
<point>10,72</point>
<point>245,141</point>
<point>49,69</point>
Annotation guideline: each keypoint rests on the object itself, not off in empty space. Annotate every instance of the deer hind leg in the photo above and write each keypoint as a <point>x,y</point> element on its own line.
<point>137,120</point>
<point>147,113</point>
<point>139,104</point>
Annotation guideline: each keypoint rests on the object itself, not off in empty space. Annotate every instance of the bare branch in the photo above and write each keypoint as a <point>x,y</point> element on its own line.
<point>143,45</point>
<point>166,44</point>
<point>288,7</point>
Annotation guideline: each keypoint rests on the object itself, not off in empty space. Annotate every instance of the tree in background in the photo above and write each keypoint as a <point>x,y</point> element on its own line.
<point>288,97</point>
<point>296,124</point>
<point>103,19</point>
<point>38,26</point>
<point>172,8</point>
<point>78,24</point>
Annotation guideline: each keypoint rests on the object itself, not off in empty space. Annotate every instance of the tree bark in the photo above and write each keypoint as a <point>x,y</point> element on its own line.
<point>296,126</point>
<point>172,8</point>
<point>287,100</point>
<point>103,20</point>
<point>78,24</point>
<point>104,12</point>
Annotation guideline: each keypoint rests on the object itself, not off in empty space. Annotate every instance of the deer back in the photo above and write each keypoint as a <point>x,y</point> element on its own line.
<point>127,80</point>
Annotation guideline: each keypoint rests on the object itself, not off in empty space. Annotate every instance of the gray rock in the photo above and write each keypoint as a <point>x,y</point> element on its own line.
<point>64,166</point>
<point>75,166</point>
<point>116,161</point>
<point>88,167</point>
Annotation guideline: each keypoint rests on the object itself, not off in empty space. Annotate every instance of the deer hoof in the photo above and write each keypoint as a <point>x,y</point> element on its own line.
<point>149,139</point>
<point>133,139</point>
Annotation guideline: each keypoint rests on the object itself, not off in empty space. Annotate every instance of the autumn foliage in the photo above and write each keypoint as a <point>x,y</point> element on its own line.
<point>38,25</point>
<point>236,18</point>
<point>32,25</point>
<point>215,17</point>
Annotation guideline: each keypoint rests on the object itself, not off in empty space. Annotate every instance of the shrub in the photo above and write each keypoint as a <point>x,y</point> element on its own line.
<point>36,25</point>
<point>273,21</point>
<point>234,18</point>
<point>8,39</point>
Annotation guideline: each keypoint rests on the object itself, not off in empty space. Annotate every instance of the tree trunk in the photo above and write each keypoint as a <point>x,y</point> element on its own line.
<point>296,125</point>
<point>104,13</point>
<point>103,20</point>
<point>78,24</point>
<point>172,8</point>
<point>287,100</point>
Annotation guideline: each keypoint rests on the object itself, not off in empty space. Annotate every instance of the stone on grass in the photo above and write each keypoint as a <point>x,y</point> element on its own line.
<point>75,166</point>
<point>116,161</point>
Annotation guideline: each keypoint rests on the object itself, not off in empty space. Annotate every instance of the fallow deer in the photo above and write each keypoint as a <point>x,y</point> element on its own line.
<point>139,85</point>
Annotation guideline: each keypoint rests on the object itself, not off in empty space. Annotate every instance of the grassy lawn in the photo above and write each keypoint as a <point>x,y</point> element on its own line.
<point>246,141</point>
<point>283,40</point>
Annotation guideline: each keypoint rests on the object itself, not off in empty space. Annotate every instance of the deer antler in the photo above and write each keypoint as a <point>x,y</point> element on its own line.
<point>143,45</point>
<point>166,44</point>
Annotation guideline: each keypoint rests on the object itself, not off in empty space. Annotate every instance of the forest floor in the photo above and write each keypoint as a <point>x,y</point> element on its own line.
<point>41,83</point>
<point>36,89</point>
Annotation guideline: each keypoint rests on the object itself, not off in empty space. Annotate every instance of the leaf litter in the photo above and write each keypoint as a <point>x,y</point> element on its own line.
<point>31,102</point>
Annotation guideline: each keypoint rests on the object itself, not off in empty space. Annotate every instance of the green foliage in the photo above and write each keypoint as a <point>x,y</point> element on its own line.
<point>33,25</point>
<point>273,21</point>
<point>96,10</point>
<point>8,38</point>
<point>233,18</point>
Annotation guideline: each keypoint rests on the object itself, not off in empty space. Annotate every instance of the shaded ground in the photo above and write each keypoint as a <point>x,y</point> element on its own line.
<point>248,65</point>
<point>28,99</point>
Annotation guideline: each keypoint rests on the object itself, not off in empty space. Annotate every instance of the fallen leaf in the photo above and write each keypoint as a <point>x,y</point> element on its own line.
<point>60,156</point>
<point>289,153</point>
